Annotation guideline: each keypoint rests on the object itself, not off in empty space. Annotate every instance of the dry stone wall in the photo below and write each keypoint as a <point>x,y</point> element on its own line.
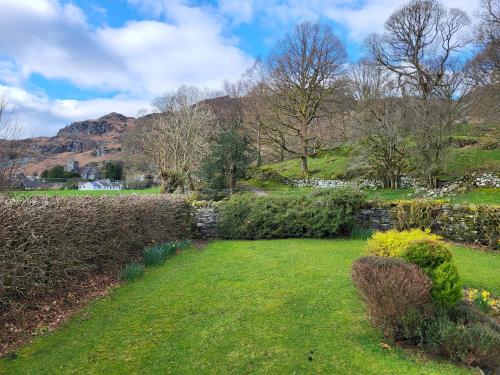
<point>459,223</point>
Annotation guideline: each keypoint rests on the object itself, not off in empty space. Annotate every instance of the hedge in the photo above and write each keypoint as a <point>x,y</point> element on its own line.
<point>49,244</point>
<point>465,223</point>
<point>325,213</point>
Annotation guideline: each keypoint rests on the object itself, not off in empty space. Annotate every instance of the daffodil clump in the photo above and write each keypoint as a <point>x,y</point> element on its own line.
<point>483,299</point>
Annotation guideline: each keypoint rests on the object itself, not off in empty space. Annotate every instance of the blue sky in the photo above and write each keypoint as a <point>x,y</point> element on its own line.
<point>62,60</point>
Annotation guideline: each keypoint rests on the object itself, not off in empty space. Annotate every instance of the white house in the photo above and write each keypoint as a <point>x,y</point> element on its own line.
<point>100,185</point>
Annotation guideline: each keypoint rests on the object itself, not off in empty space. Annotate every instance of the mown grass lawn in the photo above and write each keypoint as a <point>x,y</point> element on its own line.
<point>30,193</point>
<point>238,307</point>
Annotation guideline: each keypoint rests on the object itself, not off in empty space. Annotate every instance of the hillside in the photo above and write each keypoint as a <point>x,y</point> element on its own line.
<point>86,141</point>
<point>474,149</point>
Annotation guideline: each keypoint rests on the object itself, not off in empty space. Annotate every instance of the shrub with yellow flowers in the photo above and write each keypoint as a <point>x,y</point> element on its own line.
<point>483,299</point>
<point>393,243</point>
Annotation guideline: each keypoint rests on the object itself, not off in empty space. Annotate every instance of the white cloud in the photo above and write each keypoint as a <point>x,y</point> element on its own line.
<point>40,115</point>
<point>359,17</point>
<point>141,59</point>
<point>177,44</point>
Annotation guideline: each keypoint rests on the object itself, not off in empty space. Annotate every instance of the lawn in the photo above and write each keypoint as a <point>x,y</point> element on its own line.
<point>30,193</point>
<point>239,307</point>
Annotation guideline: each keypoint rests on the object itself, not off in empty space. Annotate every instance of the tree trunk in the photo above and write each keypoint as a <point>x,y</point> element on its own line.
<point>303,166</point>
<point>259,146</point>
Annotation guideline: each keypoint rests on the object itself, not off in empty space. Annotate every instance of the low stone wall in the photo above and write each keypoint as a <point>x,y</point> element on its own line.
<point>459,223</point>
<point>375,217</point>
<point>205,220</point>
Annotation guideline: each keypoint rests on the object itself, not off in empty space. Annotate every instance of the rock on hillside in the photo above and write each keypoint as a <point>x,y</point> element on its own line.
<point>85,141</point>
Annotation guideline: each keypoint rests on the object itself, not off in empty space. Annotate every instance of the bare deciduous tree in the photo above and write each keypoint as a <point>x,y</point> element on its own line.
<point>421,46</point>
<point>420,40</point>
<point>380,122</point>
<point>304,70</point>
<point>9,149</point>
<point>176,138</point>
<point>484,68</point>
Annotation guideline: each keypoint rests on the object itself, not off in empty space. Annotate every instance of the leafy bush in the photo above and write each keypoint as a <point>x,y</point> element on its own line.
<point>397,294</point>
<point>132,271</point>
<point>435,259</point>
<point>416,213</point>
<point>481,221</point>
<point>325,213</point>
<point>446,287</point>
<point>393,243</point>
<point>474,344</point>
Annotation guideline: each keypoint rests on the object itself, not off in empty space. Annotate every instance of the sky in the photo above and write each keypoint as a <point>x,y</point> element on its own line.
<point>64,61</point>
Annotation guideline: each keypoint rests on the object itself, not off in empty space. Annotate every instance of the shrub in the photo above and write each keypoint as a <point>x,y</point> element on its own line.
<point>324,213</point>
<point>446,287</point>
<point>482,222</point>
<point>132,271</point>
<point>50,244</point>
<point>474,344</point>
<point>397,294</point>
<point>416,213</point>
<point>435,259</point>
<point>393,243</point>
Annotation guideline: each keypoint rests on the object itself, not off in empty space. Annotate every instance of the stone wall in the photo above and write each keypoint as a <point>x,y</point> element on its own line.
<point>459,223</point>
<point>205,221</point>
<point>374,217</point>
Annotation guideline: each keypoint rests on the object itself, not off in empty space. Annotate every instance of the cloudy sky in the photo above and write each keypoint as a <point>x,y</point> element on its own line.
<point>62,61</point>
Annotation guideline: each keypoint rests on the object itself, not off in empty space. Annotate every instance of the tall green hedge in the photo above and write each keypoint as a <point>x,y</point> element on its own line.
<point>325,213</point>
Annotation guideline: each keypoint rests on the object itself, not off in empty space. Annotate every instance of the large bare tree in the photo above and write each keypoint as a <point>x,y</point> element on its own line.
<point>380,121</point>
<point>484,68</point>
<point>175,138</point>
<point>420,40</point>
<point>9,149</point>
<point>421,46</point>
<point>304,70</point>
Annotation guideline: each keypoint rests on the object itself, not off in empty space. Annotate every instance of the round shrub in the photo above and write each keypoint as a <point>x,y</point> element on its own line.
<point>435,259</point>
<point>396,293</point>
<point>446,287</point>
<point>393,243</point>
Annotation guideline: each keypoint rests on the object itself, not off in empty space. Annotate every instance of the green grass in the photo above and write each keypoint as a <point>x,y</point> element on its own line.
<point>479,196</point>
<point>31,193</point>
<point>329,165</point>
<point>478,269</point>
<point>464,161</point>
<point>389,195</point>
<point>238,307</point>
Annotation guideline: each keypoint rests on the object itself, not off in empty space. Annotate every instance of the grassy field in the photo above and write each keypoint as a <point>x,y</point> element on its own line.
<point>239,307</point>
<point>30,193</point>
<point>464,161</point>
<point>479,196</point>
<point>328,165</point>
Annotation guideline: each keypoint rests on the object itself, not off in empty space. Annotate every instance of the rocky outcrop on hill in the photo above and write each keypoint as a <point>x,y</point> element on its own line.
<point>113,122</point>
<point>85,141</point>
